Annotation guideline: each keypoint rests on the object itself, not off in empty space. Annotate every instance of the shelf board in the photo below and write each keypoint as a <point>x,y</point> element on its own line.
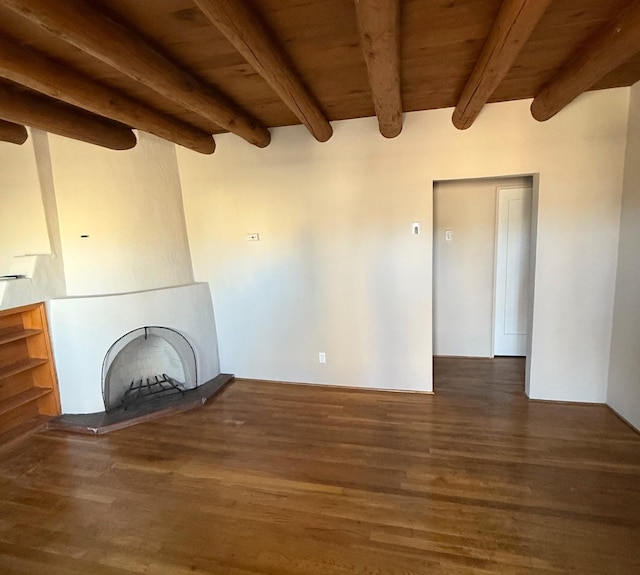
<point>22,398</point>
<point>20,366</point>
<point>16,335</point>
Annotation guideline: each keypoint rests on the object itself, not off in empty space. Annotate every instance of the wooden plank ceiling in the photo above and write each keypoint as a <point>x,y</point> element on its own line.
<point>186,69</point>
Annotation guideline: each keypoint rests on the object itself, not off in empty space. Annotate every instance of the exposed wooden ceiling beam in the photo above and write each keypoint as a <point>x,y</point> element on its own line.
<point>612,46</point>
<point>514,24</point>
<point>249,35</point>
<point>379,27</point>
<point>81,24</point>
<point>30,68</point>
<point>13,133</point>
<point>41,112</point>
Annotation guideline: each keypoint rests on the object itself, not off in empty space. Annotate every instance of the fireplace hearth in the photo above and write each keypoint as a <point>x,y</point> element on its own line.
<point>148,372</point>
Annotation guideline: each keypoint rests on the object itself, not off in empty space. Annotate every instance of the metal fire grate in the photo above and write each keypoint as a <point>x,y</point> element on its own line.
<point>157,386</point>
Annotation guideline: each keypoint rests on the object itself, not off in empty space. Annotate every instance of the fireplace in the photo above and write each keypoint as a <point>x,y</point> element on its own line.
<point>150,353</point>
<point>145,364</point>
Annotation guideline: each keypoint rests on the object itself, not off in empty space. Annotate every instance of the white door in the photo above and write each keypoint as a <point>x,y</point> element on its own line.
<point>513,240</point>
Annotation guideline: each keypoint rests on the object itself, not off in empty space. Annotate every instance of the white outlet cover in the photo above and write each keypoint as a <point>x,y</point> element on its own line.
<point>322,357</point>
<point>253,237</point>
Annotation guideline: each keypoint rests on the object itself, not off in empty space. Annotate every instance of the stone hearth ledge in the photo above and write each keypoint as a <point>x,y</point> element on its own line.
<point>103,422</point>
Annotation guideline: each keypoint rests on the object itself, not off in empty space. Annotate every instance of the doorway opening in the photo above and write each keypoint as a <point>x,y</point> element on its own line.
<point>483,267</point>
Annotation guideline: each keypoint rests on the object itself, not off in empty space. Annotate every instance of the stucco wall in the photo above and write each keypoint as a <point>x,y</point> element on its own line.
<point>129,203</point>
<point>624,373</point>
<point>338,270</point>
<point>23,228</point>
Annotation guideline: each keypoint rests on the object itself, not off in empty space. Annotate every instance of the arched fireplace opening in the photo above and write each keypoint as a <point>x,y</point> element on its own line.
<point>145,364</point>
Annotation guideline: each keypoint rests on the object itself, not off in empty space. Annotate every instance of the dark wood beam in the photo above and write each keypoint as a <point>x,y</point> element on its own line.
<point>379,26</point>
<point>13,133</point>
<point>249,35</point>
<point>617,42</point>
<point>30,68</point>
<point>20,106</point>
<point>84,26</point>
<point>514,24</point>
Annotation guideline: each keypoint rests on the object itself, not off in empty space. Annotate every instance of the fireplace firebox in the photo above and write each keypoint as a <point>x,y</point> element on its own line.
<point>145,364</point>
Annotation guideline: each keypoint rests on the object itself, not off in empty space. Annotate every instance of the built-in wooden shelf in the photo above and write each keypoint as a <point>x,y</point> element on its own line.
<point>18,335</point>
<point>22,398</point>
<point>28,385</point>
<point>20,366</point>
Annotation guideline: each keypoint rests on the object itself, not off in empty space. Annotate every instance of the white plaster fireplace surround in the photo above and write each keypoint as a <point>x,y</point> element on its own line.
<point>84,328</point>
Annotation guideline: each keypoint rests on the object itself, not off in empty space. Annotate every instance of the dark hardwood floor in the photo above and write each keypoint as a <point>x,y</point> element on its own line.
<point>294,480</point>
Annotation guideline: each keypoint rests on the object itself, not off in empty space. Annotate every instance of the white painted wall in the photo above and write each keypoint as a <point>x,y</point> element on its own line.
<point>44,280</point>
<point>23,228</point>
<point>50,203</point>
<point>130,205</point>
<point>623,393</point>
<point>463,268</point>
<point>84,328</point>
<point>338,270</point>
<point>28,217</point>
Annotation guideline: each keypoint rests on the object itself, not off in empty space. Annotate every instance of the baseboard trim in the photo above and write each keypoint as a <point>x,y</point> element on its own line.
<point>623,419</point>
<point>335,386</point>
<point>567,402</point>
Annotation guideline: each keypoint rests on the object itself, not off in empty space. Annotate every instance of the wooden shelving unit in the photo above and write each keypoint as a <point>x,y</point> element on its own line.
<point>28,385</point>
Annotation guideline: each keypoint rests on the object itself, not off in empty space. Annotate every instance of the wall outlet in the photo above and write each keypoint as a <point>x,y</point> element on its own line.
<point>322,357</point>
<point>253,237</point>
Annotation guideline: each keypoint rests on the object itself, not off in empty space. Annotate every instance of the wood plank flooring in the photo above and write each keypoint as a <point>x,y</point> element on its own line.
<point>294,480</point>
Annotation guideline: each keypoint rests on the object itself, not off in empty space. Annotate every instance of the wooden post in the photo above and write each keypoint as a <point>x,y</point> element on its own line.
<point>52,116</point>
<point>611,47</point>
<point>13,133</point>
<point>513,26</point>
<point>82,25</point>
<point>379,26</point>
<point>30,68</point>
<point>248,34</point>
